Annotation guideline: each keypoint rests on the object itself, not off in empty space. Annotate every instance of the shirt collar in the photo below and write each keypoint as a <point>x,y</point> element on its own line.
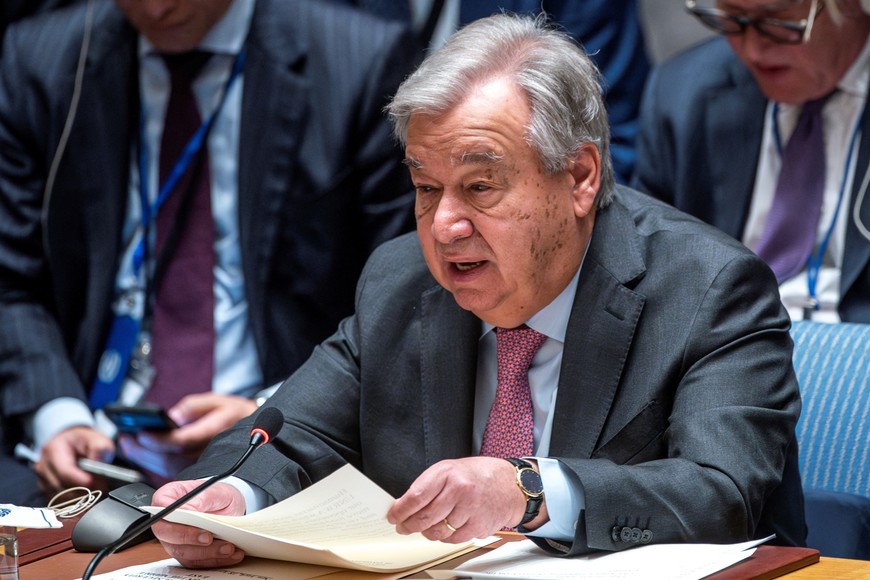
<point>227,36</point>
<point>857,78</point>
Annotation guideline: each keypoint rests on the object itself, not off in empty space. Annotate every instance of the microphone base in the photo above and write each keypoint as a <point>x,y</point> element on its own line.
<point>111,518</point>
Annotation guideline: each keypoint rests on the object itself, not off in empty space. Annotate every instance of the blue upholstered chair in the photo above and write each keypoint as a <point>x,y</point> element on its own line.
<point>832,362</point>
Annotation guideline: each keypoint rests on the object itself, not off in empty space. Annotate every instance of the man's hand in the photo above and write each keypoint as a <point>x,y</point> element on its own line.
<point>57,468</point>
<point>200,417</point>
<point>477,495</point>
<point>193,547</point>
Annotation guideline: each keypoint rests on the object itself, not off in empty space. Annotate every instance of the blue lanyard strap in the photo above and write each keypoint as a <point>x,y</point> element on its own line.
<point>190,151</point>
<point>814,263</point>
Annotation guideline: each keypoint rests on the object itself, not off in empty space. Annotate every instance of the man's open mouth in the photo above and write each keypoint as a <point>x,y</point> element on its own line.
<point>466,266</point>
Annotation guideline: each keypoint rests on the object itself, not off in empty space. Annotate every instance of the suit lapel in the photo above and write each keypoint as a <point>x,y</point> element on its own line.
<point>733,148</point>
<point>603,320</point>
<point>274,100</point>
<point>105,127</point>
<point>857,248</point>
<point>449,339</point>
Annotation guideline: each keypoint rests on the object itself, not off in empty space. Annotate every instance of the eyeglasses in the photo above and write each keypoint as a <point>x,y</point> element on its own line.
<point>781,31</point>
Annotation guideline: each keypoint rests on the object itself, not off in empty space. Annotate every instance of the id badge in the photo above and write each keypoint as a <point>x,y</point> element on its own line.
<point>115,361</point>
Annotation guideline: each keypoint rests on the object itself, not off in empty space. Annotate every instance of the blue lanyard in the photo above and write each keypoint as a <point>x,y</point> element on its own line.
<point>190,151</point>
<point>814,262</point>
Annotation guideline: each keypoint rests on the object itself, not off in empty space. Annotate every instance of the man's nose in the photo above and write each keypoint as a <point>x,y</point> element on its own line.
<point>452,219</point>
<point>157,9</point>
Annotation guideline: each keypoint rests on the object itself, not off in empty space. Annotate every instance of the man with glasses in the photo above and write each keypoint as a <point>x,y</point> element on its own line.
<point>760,134</point>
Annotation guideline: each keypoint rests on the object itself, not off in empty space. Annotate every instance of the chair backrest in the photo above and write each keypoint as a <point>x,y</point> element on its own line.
<point>832,363</point>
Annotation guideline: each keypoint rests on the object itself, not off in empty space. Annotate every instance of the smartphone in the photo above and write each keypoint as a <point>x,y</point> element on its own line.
<point>110,471</point>
<point>132,419</point>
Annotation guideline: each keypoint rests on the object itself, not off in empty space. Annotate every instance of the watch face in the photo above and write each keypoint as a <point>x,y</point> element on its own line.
<point>531,481</point>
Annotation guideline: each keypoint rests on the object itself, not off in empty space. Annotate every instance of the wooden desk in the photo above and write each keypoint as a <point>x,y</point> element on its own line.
<point>49,556</point>
<point>71,564</point>
<point>833,569</point>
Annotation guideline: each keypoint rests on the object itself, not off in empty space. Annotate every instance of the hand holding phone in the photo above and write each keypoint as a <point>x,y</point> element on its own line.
<point>133,419</point>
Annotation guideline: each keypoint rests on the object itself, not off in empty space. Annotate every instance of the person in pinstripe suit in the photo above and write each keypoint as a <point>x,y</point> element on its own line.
<point>316,184</point>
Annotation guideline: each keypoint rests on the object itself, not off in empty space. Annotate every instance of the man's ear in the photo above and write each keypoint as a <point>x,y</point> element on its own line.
<point>586,171</point>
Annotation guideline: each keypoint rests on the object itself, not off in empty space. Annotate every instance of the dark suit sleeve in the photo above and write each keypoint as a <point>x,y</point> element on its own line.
<point>339,406</point>
<point>34,366</point>
<point>320,403</point>
<point>732,411</point>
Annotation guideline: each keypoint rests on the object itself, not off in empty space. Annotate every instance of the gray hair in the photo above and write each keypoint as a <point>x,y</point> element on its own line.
<point>561,82</point>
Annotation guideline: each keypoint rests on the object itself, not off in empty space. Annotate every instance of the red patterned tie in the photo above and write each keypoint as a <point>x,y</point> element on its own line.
<point>510,426</point>
<point>183,332</point>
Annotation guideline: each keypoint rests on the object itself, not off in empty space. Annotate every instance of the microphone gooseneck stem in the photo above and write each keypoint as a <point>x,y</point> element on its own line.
<point>256,441</point>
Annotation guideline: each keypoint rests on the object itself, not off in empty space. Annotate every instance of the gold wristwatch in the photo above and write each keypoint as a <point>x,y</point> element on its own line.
<point>529,482</point>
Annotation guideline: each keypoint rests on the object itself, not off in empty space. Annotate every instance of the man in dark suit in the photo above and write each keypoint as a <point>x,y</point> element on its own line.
<point>715,125</point>
<point>305,181</point>
<point>542,326</point>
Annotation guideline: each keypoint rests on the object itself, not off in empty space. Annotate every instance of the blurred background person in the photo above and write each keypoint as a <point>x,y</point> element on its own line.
<point>226,173</point>
<point>764,134</point>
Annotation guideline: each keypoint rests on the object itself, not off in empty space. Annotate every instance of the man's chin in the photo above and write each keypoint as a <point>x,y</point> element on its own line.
<point>478,302</point>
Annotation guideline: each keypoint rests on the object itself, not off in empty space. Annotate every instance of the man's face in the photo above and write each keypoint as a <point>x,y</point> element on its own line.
<point>173,25</point>
<point>799,72</point>
<point>503,236</point>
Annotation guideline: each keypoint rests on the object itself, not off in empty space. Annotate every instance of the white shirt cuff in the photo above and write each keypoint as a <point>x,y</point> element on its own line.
<point>255,497</point>
<point>57,415</point>
<point>565,499</point>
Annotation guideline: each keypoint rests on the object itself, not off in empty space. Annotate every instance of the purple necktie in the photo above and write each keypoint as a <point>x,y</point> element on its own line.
<point>510,427</point>
<point>790,232</point>
<point>182,324</point>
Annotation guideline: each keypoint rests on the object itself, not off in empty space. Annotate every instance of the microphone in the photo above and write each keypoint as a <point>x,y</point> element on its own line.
<point>267,424</point>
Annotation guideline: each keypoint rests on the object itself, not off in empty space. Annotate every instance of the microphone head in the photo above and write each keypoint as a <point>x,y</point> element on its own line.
<point>268,423</point>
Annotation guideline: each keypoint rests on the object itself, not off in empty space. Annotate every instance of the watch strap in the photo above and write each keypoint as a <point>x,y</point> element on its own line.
<point>533,502</point>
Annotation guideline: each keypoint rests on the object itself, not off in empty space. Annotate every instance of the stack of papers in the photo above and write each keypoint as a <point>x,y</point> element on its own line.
<point>652,562</point>
<point>341,521</point>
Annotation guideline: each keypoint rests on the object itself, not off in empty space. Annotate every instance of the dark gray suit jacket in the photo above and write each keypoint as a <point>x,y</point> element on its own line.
<point>321,184</point>
<point>702,119</point>
<point>676,403</point>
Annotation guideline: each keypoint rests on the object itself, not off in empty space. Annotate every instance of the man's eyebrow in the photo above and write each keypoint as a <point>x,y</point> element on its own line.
<point>482,158</point>
<point>466,158</point>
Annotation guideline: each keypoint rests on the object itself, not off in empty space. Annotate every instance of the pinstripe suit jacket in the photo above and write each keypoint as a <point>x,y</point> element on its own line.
<point>320,184</point>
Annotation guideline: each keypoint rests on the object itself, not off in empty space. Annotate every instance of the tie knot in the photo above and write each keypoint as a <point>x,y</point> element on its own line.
<point>184,67</point>
<point>814,107</point>
<point>517,347</point>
